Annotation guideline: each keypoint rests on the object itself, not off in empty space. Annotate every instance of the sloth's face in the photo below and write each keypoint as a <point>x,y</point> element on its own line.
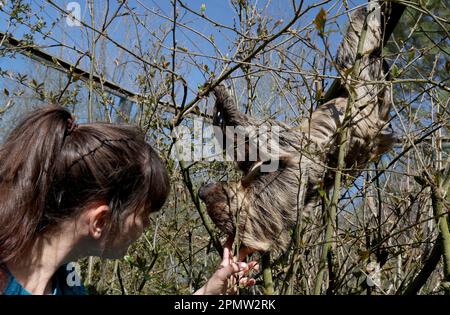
<point>230,205</point>
<point>221,200</point>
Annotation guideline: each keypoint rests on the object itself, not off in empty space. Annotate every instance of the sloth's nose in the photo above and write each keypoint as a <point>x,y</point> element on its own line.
<point>204,191</point>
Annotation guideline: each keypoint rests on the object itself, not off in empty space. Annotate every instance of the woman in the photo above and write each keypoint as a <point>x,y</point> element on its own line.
<point>69,191</point>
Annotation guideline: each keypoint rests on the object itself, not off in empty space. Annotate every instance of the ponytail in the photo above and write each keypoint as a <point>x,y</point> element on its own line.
<point>27,166</point>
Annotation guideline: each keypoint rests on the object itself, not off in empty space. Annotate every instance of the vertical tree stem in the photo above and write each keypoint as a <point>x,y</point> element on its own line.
<point>92,64</point>
<point>203,215</point>
<point>343,135</point>
<point>267,274</point>
<point>444,233</point>
<point>91,91</point>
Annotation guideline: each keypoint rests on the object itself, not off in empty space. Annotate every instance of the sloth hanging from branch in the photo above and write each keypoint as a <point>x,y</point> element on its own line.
<point>264,205</point>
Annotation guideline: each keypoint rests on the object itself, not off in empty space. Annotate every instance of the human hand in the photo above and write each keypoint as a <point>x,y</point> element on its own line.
<point>230,272</point>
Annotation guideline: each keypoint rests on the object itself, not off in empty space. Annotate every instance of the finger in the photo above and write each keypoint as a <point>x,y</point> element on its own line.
<point>227,247</point>
<point>230,269</point>
<point>249,267</point>
<point>242,267</point>
<point>232,281</point>
<point>241,273</point>
<point>239,268</point>
<point>247,282</point>
<point>253,266</point>
<point>226,256</point>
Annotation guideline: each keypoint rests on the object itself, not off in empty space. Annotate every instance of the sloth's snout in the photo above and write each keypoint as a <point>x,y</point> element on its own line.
<point>205,190</point>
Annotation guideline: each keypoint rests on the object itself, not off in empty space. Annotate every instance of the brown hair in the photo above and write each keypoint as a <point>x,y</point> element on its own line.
<point>50,169</point>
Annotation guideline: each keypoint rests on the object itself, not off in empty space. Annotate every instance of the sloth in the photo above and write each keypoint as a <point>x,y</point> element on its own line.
<point>264,206</point>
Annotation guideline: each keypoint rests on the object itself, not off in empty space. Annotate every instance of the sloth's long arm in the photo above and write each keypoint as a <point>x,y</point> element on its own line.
<point>226,112</point>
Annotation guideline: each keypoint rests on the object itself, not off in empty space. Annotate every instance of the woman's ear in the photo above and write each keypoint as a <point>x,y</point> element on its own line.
<point>98,219</point>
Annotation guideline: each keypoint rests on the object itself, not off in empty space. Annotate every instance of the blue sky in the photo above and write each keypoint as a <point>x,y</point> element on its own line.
<point>122,30</point>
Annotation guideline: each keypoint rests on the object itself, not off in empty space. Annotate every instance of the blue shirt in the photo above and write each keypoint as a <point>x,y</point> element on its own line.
<point>60,283</point>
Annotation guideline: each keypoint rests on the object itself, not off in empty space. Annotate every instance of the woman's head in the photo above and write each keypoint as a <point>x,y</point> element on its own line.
<point>52,170</point>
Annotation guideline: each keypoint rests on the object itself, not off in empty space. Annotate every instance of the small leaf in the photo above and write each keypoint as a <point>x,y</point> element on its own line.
<point>411,54</point>
<point>203,9</point>
<point>321,192</point>
<point>395,71</point>
<point>320,20</point>
<point>128,259</point>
